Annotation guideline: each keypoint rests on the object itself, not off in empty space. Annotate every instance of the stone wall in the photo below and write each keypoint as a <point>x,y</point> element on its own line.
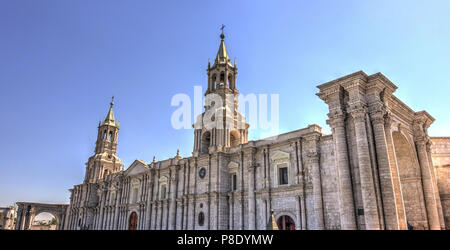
<point>440,150</point>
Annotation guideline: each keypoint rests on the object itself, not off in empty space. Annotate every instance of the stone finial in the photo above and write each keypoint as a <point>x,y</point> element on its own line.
<point>178,154</point>
<point>272,223</point>
<point>154,159</point>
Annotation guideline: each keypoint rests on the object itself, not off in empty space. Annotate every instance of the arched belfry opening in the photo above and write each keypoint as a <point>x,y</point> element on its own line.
<point>213,80</point>
<point>235,138</point>
<point>206,141</point>
<point>410,179</point>
<point>222,80</point>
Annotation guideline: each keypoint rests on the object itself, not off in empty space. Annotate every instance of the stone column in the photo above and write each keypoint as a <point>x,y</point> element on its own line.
<point>313,162</point>
<point>116,211</point>
<point>20,212</point>
<point>28,215</point>
<point>149,201</point>
<point>372,220</point>
<point>154,215</point>
<point>230,211</point>
<point>346,203</point>
<point>100,225</point>
<point>251,198</point>
<point>428,191</point>
<point>186,212</point>
<point>298,222</point>
<point>173,196</point>
<point>435,187</point>
<point>384,168</point>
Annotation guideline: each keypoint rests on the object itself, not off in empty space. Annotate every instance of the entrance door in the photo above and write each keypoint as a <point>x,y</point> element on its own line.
<point>285,223</point>
<point>132,224</point>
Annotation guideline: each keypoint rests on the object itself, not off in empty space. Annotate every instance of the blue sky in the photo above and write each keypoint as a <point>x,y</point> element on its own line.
<point>61,61</point>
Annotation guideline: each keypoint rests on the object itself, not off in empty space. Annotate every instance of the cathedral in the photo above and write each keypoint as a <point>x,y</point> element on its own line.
<point>375,171</point>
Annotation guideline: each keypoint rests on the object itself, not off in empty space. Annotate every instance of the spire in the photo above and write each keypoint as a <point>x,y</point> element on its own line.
<point>222,54</point>
<point>109,120</point>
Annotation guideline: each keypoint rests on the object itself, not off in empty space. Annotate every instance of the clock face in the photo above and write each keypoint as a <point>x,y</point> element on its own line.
<point>202,173</point>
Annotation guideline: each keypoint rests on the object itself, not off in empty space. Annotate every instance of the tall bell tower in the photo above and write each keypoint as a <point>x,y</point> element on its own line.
<point>104,161</point>
<point>221,125</point>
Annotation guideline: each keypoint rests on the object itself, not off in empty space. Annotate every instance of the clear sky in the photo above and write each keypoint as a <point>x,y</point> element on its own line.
<point>61,61</point>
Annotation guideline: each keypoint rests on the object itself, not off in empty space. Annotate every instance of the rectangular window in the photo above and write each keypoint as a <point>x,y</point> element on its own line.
<point>135,195</point>
<point>233,182</point>
<point>282,175</point>
<point>113,198</point>
<point>163,192</point>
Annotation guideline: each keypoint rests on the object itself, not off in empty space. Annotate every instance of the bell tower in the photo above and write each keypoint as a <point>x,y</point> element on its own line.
<point>221,125</point>
<point>104,161</point>
<point>107,133</point>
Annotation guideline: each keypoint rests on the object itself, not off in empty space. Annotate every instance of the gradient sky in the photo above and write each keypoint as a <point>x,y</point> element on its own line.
<point>61,61</point>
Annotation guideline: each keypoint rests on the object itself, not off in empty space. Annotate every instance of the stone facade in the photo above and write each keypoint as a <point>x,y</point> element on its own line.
<point>440,150</point>
<point>374,171</point>
<point>7,218</point>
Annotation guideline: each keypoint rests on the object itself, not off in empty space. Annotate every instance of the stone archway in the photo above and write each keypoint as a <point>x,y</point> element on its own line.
<point>132,222</point>
<point>44,221</point>
<point>27,211</point>
<point>410,180</point>
<point>285,222</point>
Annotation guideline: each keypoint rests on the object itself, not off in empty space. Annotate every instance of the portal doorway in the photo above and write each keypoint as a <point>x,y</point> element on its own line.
<point>132,224</point>
<point>286,223</point>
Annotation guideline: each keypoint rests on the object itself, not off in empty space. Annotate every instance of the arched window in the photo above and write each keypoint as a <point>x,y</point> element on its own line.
<point>206,142</point>
<point>222,79</point>
<point>214,81</point>
<point>111,137</point>
<point>201,219</point>
<point>230,80</point>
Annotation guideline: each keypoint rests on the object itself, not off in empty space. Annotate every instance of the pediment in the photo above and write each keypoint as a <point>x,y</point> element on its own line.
<point>233,166</point>
<point>277,155</point>
<point>137,167</point>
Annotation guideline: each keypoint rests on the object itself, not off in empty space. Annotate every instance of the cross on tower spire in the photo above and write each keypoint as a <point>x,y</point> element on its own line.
<point>222,36</point>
